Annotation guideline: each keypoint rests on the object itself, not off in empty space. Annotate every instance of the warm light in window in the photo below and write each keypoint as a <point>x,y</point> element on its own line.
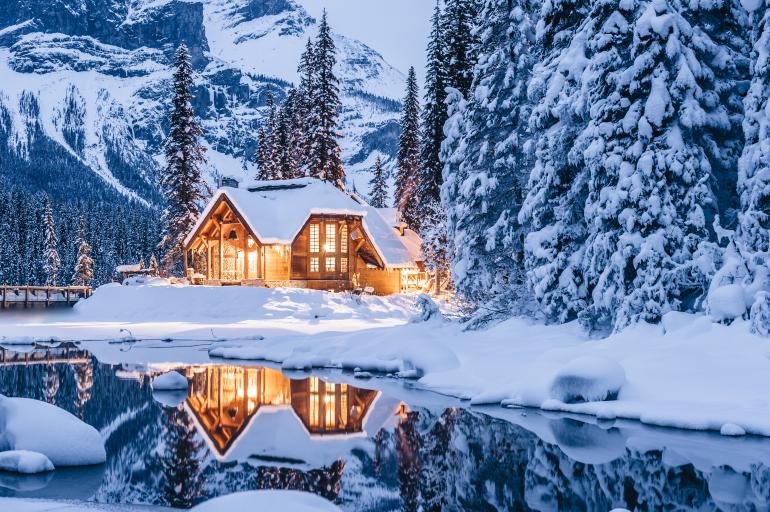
<point>343,265</point>
<point>331,264</point>
<point>315,241</point>
<point>344,239</point>
<point>331,238</point>
<point>314,265</point>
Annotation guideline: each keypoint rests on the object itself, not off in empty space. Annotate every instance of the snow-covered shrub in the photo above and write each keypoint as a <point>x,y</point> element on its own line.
<point>588,379</point>
<point>427,308</point>
<point>727,294</point>
<point>760,314</point>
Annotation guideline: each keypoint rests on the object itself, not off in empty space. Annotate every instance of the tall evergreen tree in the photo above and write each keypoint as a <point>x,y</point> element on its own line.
<point>485,162</point>
<point>460,42</point>
<point>552,210</point>
<point>754,165</point>
<point>52,262</point>
<point>326,162</point>
<point>182,182</point>
<point>408,164</point>
<point>180,462</point>
<point>84,266</point>
<point>650,197</point>
<point>434,115</point>
<point>378,186</point>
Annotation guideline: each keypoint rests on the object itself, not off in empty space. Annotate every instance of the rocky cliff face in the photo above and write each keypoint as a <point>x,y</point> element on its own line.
<point>85,84</point>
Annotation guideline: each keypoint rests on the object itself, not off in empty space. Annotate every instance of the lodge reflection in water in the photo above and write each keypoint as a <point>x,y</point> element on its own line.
<point>225,398</point>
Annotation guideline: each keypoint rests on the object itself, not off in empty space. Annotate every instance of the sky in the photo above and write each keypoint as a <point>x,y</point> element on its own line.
<point>397,29</point>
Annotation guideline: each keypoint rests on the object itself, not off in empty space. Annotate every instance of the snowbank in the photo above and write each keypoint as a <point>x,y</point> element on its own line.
<point>23,461</point>
<point>588,379</point>
<point>295,501</point>
<point>44,428</point>
<point>171,381</point>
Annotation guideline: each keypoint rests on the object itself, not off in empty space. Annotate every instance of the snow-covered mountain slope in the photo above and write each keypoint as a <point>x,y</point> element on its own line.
<point>85,86</point>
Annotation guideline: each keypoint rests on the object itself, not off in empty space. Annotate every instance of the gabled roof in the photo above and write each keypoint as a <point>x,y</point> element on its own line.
<point>276,211</point>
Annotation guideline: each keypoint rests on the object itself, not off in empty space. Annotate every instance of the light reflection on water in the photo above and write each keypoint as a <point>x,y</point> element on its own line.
<point>248,427</point>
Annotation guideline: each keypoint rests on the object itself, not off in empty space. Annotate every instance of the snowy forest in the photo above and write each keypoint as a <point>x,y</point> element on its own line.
<point>592,160</point>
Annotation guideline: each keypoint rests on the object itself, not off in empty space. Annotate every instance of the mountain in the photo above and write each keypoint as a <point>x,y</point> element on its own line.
<point>84,87</point>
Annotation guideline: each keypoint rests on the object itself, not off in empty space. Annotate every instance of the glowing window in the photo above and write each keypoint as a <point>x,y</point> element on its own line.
<point>330,406</point>
<point>331,264</point>
<point>343,405</point>
<point>314,265</point>
<point>315,241</point>
<point>344,239</point>
<point>343,265</point>
<point>314,403</point>
<point>331,238</point>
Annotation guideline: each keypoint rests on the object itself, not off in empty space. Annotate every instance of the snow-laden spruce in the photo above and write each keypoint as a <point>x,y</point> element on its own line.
<point>408,162</point>
<point>552,210</point>
<point>485,161</point>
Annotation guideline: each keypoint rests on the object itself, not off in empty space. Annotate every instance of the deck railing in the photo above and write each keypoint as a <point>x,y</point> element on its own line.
<point>30,296</point>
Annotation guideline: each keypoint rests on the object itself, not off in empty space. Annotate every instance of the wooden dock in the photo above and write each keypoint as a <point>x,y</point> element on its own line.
<point>42,296</point>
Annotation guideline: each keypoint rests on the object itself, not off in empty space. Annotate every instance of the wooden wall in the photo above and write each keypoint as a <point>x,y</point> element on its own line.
<point>277,262</point>
<point>384,282</point>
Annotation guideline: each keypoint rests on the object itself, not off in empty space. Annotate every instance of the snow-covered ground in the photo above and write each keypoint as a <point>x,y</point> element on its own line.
<point>687,372</point>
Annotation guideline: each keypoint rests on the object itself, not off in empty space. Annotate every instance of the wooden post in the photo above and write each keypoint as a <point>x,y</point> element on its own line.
<point>26,297</point>
<point>438,282</point>
<point>245,255</point>
<point>184,259</point>
<point>209,266</point>
<point>221,252</point>
<point>5,297</point>
<point>47,296</point>
<point>67,295</point>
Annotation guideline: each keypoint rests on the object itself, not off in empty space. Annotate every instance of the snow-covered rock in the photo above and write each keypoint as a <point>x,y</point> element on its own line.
<point>727,302</point>
<point>171,381</point>
<point>295,501</point>
<point>170,399</point>
<point>36,426</point>
<point>24,461</point>
<point>588,379</point>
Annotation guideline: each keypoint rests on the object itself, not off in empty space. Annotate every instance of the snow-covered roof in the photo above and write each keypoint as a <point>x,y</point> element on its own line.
<point>277,210</point>
<point>128,268</point>
<point>277,432</point>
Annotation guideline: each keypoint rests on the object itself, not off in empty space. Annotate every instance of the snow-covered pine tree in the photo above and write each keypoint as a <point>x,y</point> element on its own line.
<point>181,182</point>
<point>434,115</point>
<point>460,42</point>
<point>753,184</point>
<point>754,166</point>
<point>326,162</point>
<point>721,41</point>
<point>268,143</point>
<point>408,163</point>
<point>51,263</point>
<point>294,134</point>
<point>305,92</point>
<point>262,153</point>
<point>154,267</point>
<point>486,166</point>
<point>378,186</point>
<point>552,211</point>
<point>650,196</point>
<point>84,267</point>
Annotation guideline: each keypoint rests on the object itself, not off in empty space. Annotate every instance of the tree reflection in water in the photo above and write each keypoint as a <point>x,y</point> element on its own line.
<point>244,428</point>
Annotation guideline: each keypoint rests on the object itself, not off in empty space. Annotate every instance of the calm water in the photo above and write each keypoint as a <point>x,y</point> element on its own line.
<point>248,427</point>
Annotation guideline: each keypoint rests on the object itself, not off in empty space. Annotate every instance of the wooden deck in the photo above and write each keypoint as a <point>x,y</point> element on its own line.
<point>53,355</point>
<point>42,296</point>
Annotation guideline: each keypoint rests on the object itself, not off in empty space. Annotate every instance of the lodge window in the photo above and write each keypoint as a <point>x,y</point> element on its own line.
<point>331,264</point>
<point>343,265</point>
<point>315,239</point>
<point>331,238</point>
<point>330,406</point>
<point>315,403</point>
<point>314,265</point>
<point>344,239</point>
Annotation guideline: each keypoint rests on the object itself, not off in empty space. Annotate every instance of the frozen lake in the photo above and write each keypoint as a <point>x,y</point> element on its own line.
<point>368,445</point>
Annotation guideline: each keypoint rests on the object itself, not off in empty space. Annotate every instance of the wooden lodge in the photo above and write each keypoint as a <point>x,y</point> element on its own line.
<point>226,400</point>
<point>301,233</point>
